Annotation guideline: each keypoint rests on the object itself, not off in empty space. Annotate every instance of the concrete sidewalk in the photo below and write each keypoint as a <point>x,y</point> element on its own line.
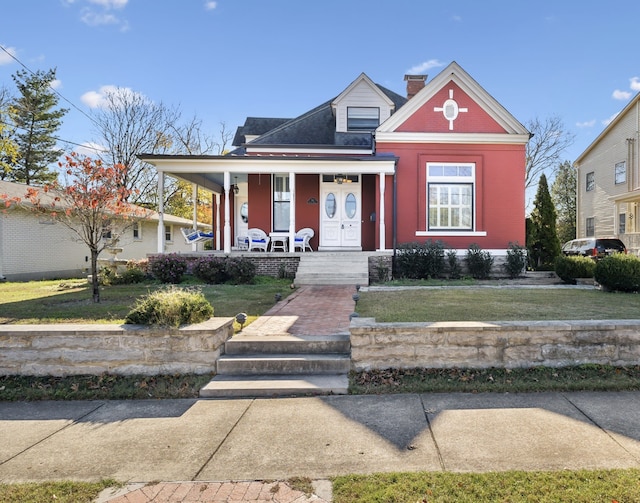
<point>196,442</point>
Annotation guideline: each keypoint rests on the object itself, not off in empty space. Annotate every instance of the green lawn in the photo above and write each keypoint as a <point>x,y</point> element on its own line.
<point>496,304</point>
<point>69,301</point>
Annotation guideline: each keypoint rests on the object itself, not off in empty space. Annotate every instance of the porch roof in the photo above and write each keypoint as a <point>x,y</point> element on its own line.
<point>208,171</point>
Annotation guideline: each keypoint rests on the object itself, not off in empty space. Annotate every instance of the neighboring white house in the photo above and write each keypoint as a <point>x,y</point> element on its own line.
<point>35,246</point>
<point>608,174</point>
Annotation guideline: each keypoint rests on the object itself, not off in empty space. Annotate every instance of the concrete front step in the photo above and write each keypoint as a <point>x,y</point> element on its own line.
<point>326,268</point>
<point>275,385</point>
<point>234,365</point>
<point>291,344</point>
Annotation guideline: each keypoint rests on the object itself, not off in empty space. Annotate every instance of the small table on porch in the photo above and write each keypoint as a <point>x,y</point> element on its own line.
<point>279,241</point>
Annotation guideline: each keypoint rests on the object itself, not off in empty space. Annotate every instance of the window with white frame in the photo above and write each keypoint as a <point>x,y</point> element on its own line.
<point>450,196</point>
<point>281,203</point>
<point>590,228</point>
<point>621,172</point>
<point>622,223</point>
<point>137,231</point>
<point>591,181</point>
<point>363,118</point>
<point>168,234</point>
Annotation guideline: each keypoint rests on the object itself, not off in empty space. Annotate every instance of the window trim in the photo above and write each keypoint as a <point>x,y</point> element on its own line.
<point>622,223</point>
<point>451,178</point>
<point>590,230</point>
<point>368,121</point>
<point>590,181</point>
<point>284,202</point>
<point>136,227</point>
<point>168,233</point>
<point>623,172</point>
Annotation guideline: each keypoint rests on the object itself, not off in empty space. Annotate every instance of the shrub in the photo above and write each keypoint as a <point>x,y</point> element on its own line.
<point>168,268</point>
<point>142,264</point>
<point>241,271</point>
<point>516,260</point>
<point>171,307</point>
<point>618,272</point>
<point>570,268</point>
<point>212,270</point>
<point>382,270</point>
<point>420,261</point>
<point>479,262</point>
<point>455,268</point>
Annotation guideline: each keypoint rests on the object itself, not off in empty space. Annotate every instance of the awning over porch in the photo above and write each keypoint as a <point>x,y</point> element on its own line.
<point>219,174</point>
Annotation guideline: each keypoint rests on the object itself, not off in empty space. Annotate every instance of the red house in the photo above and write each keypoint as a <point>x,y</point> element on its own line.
<point>370,169</point>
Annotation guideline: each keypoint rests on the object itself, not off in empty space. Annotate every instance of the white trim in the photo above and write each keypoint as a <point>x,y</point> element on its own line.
<point>451,233</point>
<point>362,78</point>
<point>473,138</point>
<point>381,217</point>
<point>227,210</point>
<point>267,165</point>
<point>161,243</point>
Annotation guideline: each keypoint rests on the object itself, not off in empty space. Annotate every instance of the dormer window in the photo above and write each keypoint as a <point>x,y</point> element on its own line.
<point>363,118</point>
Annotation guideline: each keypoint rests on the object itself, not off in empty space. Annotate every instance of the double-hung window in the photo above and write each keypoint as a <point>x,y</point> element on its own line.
<point>450,196</point>
<point>621,172</point>
<point>363,118</point>
<point>591,181</point>
<point>590,227</point>
<point>281,203</point>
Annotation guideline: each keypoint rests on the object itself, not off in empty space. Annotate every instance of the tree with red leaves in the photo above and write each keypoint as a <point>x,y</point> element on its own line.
<point>91,203</point>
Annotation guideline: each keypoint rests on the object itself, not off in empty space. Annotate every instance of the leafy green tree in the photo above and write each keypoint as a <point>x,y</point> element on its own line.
<point>35,116</point>
<point>542,238</point>
<point>8,146</point>
<point>563,193</point>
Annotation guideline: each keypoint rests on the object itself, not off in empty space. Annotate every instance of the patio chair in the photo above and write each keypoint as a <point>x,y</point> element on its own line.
<point>302,239</point>
<point>195,235</point>
<point>258,239</point>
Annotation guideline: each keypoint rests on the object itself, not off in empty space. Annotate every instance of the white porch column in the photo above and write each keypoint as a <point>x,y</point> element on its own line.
<point>194,197</point>
<point>160,248</point>
<point>227,217</point>
<point>217,220</point>
<point>383,229</point>
<point>292,212</point>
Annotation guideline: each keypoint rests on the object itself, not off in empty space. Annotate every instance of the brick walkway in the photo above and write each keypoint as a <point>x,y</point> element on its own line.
<point>310,310</point>
<point>212,492</point>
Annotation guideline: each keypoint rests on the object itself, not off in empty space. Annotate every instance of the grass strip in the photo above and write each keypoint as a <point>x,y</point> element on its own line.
<point>101,387</point>
<point>60,492</point>
<point>581,486</point>
<point>587,377</point>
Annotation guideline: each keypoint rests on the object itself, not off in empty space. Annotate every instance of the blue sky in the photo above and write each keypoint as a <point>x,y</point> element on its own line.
<point>225,60</point>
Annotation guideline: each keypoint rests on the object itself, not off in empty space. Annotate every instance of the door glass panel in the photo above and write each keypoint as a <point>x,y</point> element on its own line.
<point>330,205</point>
<point>350,205</point>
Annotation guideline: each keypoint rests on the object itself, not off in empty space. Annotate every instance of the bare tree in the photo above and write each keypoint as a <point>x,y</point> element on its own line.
<point>130,124</point>
<point>545,148</point>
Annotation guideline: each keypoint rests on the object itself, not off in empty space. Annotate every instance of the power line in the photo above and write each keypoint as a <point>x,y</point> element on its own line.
<point>54,90</point>
<point>88,147</point>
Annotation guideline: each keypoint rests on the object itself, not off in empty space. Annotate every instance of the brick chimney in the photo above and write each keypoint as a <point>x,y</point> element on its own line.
<point>414,84</point>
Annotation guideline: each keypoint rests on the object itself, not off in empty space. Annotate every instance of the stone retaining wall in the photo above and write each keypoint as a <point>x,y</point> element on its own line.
<point>493,344</point>
<point>68,349</point>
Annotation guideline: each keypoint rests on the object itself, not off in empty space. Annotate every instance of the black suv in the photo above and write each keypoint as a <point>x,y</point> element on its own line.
<point>593,247</point>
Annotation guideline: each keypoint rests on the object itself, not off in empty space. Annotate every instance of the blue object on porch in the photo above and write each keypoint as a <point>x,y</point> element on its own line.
<point>302,238</point>
<point>195,235</point>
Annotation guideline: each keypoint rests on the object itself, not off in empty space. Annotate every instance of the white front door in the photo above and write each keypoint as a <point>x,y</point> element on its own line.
<point>340,223</point>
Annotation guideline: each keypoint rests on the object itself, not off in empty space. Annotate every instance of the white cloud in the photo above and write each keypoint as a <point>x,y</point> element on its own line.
<point>590,123</point>
<point>6,57</point>
<point>608,121</point>
<point>621,95</point>
<point>90,149</point>
<point>110,4</point>
<point>634,83</point>
<point>423,67</point>
<point>210,5</point>
<point>456,18</point>
<point>55,84</point>
<point>93,18</point>
<point>98,99</point>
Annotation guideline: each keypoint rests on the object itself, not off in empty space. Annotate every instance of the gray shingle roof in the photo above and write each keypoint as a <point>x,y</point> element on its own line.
<point>315,127</point>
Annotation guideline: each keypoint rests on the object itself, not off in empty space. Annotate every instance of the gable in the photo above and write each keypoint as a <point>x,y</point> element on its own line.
<point>451,110</point>
<point>453,103</point>
<point>362,94</point>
